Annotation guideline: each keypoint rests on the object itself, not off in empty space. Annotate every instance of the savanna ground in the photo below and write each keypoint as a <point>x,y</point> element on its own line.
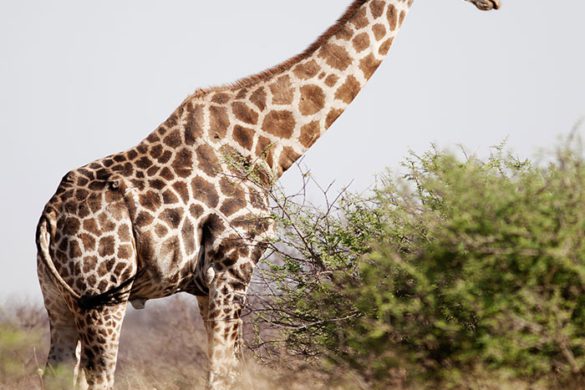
<point>162,347</point>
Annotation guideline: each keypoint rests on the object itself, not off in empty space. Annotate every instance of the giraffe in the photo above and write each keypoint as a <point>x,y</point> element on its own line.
<point>187,210</point>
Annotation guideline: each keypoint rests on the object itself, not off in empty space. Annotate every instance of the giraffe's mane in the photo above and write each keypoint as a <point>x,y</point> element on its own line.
<point>268,73</point>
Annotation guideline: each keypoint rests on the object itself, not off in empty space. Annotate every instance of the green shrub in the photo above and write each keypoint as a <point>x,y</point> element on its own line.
<point>462,266</point>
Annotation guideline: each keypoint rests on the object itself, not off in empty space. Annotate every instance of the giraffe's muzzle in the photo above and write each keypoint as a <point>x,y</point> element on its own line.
<point>486,5</point>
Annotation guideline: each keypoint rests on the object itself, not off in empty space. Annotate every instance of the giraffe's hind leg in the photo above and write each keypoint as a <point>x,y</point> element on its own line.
<point>62,359</point>
<point>99,329</point>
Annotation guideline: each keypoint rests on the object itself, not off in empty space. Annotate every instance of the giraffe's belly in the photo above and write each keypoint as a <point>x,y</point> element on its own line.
<point>147,289</point>
<point>162,282</point>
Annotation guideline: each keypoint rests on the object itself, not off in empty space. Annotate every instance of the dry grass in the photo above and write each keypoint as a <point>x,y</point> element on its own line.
<point>161,347</point>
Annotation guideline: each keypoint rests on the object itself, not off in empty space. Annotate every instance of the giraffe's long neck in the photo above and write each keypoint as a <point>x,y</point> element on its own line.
<point>278,115</point>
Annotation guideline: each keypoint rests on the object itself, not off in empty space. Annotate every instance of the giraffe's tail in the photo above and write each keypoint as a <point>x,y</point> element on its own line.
<point>43,243</point>
<point>110,297</point>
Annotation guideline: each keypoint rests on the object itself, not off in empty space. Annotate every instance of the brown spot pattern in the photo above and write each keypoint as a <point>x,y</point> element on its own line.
<point>309,133</point>
<point>143,219</point>
<point>183,163</point>
<point>360,20</point>
<point>392,15</point>
<point>312,100</point>
<point>107,246</point>
<point>244,113</point>
<point>182,190</point>
<point>230,188</point>
<point>287,158</point>
<point>208,160</point>
<point>71,226</point>
<point>230,206</point>
<point>377,8</point>
<point>331,80</point>
<point>150,200</point>
<point>167,174</point>
<point>242,93</point>
<point>196,210</point>
<point>379,31</point>
<point>193,126</point>
<point>221,98</point>
<point>361,42</point>
<point>385,47</point>
<point>205,192</point>
<point>161,230</point>
<point>124,251</point>
<point>306,70</point>
<point>173,139</point>
<point>218,122</point>
<point>188,232</point>
<point>279,123</point>
<point>344,33</point>
<point>265,150</point>
<point>282,90</point>
<point>90,226</point>
<point>172,217</point>
<point>332,117</point>
<point>88,242</point>
<point>349,90</point>
<point>368,65</point>
<point>74,250</point>
<point>259,98</point>
<point>169,197</point>
<point>244,137</point>
<point>124,233</point>
<point>335,56</point>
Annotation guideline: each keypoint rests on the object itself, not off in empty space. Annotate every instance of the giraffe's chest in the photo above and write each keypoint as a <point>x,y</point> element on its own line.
<point>168,243</point>
<point>177,243</point>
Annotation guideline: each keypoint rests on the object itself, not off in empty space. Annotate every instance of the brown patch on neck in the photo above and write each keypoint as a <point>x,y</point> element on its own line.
<point>282,91</point>
<point>287,158</point>
<point>244,113</point>
<point>279,123</point>
<point>309,134</point>
<point>246,82</point>
<point>368,65</point>
<point>349,90</point>
<point>312,99</point>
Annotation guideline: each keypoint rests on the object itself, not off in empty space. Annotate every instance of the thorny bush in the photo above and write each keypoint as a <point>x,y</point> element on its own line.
<point>460,267</point>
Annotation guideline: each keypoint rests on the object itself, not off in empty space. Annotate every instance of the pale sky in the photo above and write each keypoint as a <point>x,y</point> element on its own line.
<point>83,79</point>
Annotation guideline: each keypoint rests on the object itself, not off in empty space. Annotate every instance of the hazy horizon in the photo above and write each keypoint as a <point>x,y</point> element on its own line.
<point>81,80</point>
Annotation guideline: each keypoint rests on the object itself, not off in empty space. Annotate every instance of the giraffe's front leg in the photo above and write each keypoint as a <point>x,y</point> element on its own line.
<point>203,302</point>
<point>226,301</point>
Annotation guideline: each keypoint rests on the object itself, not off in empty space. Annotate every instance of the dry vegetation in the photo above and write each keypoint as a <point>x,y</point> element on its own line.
<point>162,347</point>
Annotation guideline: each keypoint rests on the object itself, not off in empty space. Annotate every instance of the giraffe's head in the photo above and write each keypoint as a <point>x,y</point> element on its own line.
<point>486,5</point>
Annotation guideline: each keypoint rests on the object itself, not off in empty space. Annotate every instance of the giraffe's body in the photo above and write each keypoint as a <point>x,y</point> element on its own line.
<point>187,209</point>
